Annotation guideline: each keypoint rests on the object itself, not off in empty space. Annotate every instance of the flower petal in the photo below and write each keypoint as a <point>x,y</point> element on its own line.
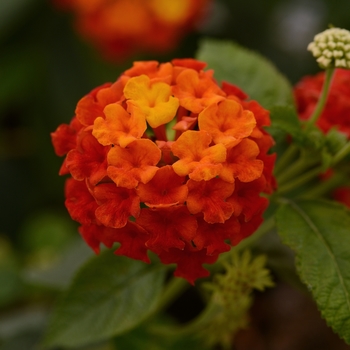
<point>81,205</point>
<point>133,164</point>
<point>119,127</point>
<point>153,100</point>
<point>132,238</point>
<point>196,90</point>
<point>246,198</point>
<point>213,237</point>
<point>189,262</point>
<point>241,162</point>
<point>165,189</point>
<point>116,204</point>
<point>197,159</point>
<point>168,227</point>
<point>227,122</point>
<point>209,198</point>
<point>64,137</point>
<point>88,160</point>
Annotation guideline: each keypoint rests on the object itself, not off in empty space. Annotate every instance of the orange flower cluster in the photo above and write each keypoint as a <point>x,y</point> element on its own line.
<point>335,113</point>
<point>165,160</point>
<point>119,28</point>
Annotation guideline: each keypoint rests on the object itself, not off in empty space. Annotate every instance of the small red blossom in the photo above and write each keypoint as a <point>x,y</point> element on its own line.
<point>335,114</point>
<point>120,28</point>
<point>88,160</point>
<point>165,189</point>
<point>337,108</point>
<point>209,198</point>
<point>189,262</point>
<point>342,195</point>
<point>165,160</point>
<point>115,204</point>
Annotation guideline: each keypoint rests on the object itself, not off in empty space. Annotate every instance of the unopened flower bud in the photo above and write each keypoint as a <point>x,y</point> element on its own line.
<point>331,48</point>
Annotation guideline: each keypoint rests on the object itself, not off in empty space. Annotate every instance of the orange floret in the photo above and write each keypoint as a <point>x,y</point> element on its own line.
<point>119,127</point>
<point>133,164</point>
<point>153,100</point>
<point>227,122</point>
<point>197,159</point>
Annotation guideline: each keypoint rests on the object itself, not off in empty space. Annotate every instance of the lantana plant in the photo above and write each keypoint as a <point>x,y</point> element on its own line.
<point>179,171</point>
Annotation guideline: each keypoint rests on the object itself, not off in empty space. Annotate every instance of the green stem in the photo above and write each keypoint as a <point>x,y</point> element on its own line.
<point>324,187</point>
<point>323,97</point>
<point>301,180</point>
<point>287,158</point>
<point>297,168</point>
<point>264,228</point>
<point>341,154</point>
<point>173,289</point>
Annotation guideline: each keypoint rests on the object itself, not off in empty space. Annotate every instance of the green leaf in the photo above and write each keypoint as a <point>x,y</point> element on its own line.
<point>167,337</point>
<point>335,140</point>
<point>319,234</point>
<point>248,70</point>
<point>284,119</point>
<point>109,295</point>
<point>59,274</point>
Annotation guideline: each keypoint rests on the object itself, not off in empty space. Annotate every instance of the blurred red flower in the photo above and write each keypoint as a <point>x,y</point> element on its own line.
<point>336,112</point>
<point>119,28</point>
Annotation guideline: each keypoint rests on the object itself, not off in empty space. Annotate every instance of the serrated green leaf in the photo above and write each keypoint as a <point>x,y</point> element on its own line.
<point>109,295</point>
<point>247,69</point>
<point>319,234</point>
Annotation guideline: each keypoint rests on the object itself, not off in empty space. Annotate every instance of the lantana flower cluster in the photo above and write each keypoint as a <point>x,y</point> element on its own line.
<point>335,114</point>
<point>166,160</point>
<point>119,28</point>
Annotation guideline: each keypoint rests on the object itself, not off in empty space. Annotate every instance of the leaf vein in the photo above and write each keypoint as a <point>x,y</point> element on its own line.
<point>319,235</point>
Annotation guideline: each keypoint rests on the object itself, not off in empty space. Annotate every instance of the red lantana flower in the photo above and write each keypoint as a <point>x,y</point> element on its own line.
<point>166,160</point>
<point>119,28</point>
<point>336,112</point>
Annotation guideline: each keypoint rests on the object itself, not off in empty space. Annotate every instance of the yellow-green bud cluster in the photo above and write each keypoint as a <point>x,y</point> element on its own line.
<point>331,48</point>
<point>232,296</point>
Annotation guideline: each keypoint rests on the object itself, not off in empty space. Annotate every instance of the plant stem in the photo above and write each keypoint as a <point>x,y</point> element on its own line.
<point>264,228</point>
<point>323,187</point>
<point>297,168</point>
<point>342,153</point>
<point>286,158</point>
<point>301,180</point>
<point>173,289</point>
<point>323,97</point>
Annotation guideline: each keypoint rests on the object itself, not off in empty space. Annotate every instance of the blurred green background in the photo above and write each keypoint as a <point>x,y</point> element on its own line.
<point>45,68</point>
